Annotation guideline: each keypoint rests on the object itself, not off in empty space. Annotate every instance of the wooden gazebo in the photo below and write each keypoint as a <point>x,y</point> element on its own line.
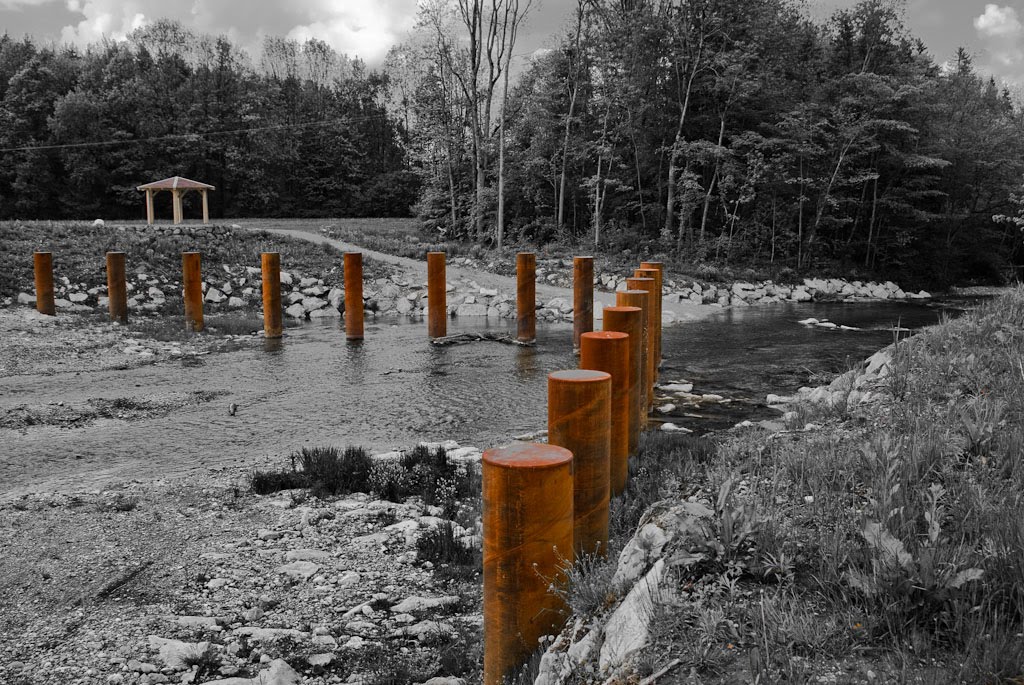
<point>178,186</point>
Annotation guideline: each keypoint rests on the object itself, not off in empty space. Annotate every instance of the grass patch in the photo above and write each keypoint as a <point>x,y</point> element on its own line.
<point>890,539</point>
<point>324,470</point>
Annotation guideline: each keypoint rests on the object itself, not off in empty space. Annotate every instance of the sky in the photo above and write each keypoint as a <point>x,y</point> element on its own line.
<point>992,31</point>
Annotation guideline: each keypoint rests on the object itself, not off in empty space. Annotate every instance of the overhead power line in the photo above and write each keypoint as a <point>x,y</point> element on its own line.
<point>187,136</point>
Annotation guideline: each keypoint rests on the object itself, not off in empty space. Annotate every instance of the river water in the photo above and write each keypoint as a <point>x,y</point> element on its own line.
<point>395,388</point>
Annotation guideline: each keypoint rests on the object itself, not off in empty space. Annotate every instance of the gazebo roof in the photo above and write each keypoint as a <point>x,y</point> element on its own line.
<point>176,183</point>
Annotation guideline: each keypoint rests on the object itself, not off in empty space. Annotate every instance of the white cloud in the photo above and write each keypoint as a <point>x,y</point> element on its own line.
<point>998,22</point>
<point>360,28</point>
<point>1002,34</point>
<point>17,4</point>
<point>364,28</point>
<point>103,19</point>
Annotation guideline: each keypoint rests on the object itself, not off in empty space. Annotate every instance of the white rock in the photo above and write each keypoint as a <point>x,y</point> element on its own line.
<point>670,427</point>
<point>98,223</point>
<point>629,626</point>
<point>214,295</point>
<point>415,604</point>
<point>286,278</point>
<point>325,313</point>
<point>78,297</point>
<point>279,673</point>
<point>808,322</point>
<point>471,310</point>
<point>311,304</point>
<point>236,302</point>
<point>176,654</point>
<point>25,298</point>
<point>302,570</point>
<point>667,408</point>
<point>296,311</point>
<point>676,387</point>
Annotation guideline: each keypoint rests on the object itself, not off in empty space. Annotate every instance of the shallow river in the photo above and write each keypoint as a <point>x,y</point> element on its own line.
<point>395,389</point>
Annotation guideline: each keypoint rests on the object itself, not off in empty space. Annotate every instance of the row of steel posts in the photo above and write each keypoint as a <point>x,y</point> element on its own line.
<point>544,505</point>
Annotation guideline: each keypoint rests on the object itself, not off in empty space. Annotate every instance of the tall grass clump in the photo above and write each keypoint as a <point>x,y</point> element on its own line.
<point>324,470</point>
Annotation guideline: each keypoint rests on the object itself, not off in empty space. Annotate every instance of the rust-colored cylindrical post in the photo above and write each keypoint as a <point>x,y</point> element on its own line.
<point>639,299</point>
<point>526,297</point>
<point>579,409</point>
<point>354,295</point>
<point>647,285</point>
<point>628,320</point>
<point>42,266</point>
<point>192,284</point>
<point>582,298</point>
<point>437,305</point>
<point>271,266</point>
<point>527,539</point>
<point>654,275</point>
<point>659,297</point>
<point>608,351</point>
<point>117,287</point>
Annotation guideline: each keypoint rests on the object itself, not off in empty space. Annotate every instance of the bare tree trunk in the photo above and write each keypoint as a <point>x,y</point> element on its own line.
<point>711,185</point>
<point>560,220</point>
<point>500,235</point>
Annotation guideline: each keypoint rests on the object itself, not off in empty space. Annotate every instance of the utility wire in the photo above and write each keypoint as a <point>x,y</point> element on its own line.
<point>179,136</point>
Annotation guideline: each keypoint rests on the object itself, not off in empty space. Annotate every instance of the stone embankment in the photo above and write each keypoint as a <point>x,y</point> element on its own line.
<point>311,295</point>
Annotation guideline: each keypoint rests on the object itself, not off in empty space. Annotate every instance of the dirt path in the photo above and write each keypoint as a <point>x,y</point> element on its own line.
<point>680,311</point>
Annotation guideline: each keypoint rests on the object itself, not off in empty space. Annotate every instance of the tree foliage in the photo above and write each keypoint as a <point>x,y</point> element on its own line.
<point>741,132</point>
<point>307,133</point>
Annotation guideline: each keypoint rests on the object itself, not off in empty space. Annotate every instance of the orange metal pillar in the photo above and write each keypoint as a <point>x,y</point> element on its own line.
<point>271,265</point>
<point>42,265</point>
<point>647,284</point>
<point>579,406</point>
<point>608,351</point>
<point>628,320</point>
<point>582,298</point>
<point>192,283</point>
<point>117,287</point>
<point>437,305</point>
<point>655,276</point>
<point>640,300</point>
<point>527,532</point>
<point>659,289</point>
<point>526,297</point>
<point>354,295</point>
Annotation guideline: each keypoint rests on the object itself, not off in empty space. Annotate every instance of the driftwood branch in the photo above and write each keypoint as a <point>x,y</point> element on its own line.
<point>463,338</point>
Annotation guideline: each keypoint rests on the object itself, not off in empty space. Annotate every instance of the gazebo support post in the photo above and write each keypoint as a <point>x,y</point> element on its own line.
<point>206,208</point>
<point>149,207</point>
<point>177,205</point>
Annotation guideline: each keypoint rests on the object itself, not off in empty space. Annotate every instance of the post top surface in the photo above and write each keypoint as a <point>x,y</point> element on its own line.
<point>654,265</point>
<point>607,335</point>
<point>645,270</point>
<point>631,291</point>
<point>579,376</point>
<point>42,252</point>
<point>434,254</point>
<point>626,309</point>
<point>586,256</point>
<point>639,278</point>
<point>527,455</point>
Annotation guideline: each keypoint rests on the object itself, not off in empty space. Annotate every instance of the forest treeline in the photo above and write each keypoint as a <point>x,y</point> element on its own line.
<point>730,132</point>
<point>315,137</point>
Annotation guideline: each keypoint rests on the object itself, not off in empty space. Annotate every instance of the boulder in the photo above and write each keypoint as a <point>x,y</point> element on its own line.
<point>279,673</point>
<point>471,310</point>
<point>98,223</point>
<point>236,302</point>
<point>296,311</point>
<point>215,296</point>
<point>25,298</point>
<point>311,304</point>
<point>178,655</point>
<point>628,629</point>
